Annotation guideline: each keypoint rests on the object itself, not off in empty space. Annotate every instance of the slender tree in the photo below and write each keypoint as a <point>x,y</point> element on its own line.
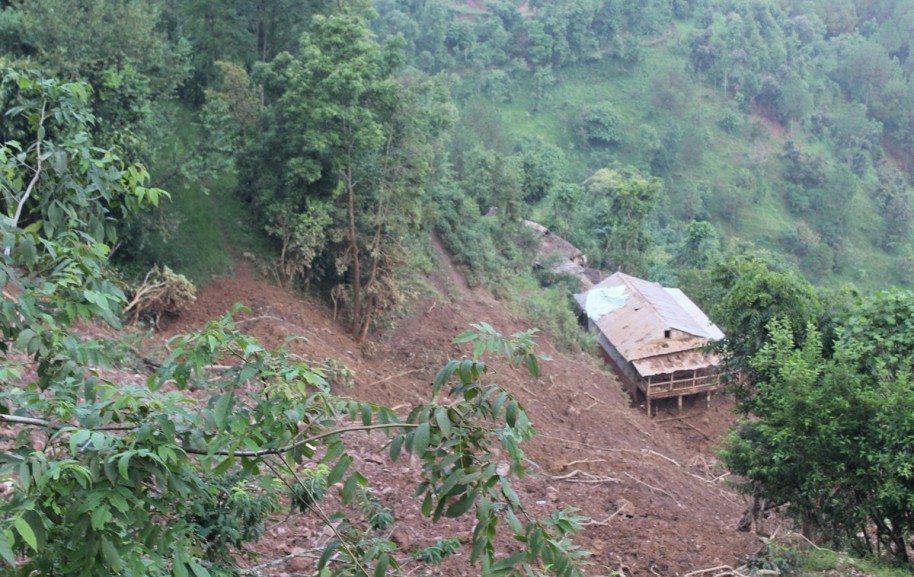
<point>347,133</point>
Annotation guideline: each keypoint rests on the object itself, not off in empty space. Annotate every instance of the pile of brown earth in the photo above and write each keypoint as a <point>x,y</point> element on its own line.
<point>659,501</point>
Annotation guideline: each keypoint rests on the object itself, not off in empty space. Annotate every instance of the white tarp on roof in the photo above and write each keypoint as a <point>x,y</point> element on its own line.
<point>602,301</point>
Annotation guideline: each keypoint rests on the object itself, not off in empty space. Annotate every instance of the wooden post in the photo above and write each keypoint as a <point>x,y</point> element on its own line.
<point>680,404</point>
<point>708,404</point>
<point>649,415</point>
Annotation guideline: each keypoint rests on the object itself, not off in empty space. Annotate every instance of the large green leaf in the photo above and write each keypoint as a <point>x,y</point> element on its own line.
<point>6,552</point>
<point>26,532</point>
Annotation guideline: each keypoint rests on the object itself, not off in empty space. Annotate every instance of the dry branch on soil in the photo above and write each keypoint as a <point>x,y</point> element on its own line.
<point>584,461</point>
<point>161,292</point>
<point>726,571</point>
<point>578,476</point>
<point>653,488</point>
<point>258,571</point>
<point>604,522</point>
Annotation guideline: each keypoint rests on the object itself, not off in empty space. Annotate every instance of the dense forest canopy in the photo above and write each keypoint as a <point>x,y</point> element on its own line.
<point>741,149</point>
<point>784,124</point>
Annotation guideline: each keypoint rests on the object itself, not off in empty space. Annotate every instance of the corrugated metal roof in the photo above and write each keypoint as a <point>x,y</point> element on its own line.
<point>639,329</point>
<point>702,321</point>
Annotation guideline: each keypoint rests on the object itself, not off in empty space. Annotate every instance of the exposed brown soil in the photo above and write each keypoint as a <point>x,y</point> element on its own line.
<point>774,126</point>
<point>661,503</point>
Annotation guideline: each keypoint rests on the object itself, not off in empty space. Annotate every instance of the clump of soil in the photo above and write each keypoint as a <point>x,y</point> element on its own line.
<point>658,498</point>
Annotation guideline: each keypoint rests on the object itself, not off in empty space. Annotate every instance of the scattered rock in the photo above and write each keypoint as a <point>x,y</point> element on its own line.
<point>299,564</point>
<point>402,538</point>
<point>552,494</point>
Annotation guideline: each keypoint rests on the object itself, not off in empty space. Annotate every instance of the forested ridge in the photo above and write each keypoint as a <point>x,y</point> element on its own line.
<point>756,153</point>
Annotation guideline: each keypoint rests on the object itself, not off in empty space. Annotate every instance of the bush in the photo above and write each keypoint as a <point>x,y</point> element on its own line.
<point>602,125</point>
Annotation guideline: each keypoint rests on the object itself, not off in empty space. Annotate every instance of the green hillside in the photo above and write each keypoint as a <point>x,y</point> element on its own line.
<point>770,120</point>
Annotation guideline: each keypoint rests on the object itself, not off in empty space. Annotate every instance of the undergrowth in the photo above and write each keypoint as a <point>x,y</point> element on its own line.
<point>550,308</point>
<point>805,561</point>
<point>202,229</point>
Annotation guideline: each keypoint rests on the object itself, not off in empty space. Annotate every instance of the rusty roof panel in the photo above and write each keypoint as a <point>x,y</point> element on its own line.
<point>668,364</point>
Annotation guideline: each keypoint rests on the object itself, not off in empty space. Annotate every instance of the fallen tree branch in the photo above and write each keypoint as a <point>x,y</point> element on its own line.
<point>704,571</point>
<point>390,378</point>
<point>803,537</point>
<point>691,426</point>
<point>578,476</point>
<point>706,480</point>
<point>579,461</point>
<point>662,456</point>
<point>257,571</point>
<point>162,291</point>
<point>677,418</point>
<point>612,449</point>
<point>727,570</point>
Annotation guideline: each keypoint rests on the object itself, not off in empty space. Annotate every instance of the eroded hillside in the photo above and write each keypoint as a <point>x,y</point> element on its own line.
<point>659,503</point>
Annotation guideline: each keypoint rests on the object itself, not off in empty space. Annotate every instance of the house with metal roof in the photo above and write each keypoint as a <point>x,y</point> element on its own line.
<point>655,336</point>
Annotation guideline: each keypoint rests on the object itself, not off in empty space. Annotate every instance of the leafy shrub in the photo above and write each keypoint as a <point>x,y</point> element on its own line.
<point>436,553</point>
<point>489,248</point>
<point>602,125</point>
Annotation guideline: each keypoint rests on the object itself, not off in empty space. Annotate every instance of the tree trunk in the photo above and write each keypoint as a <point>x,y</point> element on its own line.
<point>286,239</point>
<point>371,300</point>
<point>354,255</point>
<point>381,216</point>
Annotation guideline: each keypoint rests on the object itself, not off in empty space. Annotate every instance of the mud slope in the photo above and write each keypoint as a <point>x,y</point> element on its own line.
<point>658,499</point>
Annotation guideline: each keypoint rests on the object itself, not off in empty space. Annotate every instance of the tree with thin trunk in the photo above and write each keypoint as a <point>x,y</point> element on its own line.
<point>343,128</point>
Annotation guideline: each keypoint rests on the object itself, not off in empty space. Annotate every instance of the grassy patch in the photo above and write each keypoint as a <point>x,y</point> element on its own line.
<point>196,248</point>
<point>823,562</point>
<point>800,560</point>
<point>550,309</point>
<point>204,227</point>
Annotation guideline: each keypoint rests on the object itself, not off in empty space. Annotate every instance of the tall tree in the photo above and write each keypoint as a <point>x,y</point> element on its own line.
<point>750,294</point>
<point>622,201</point>
<point>343,130</point>
<point>830,425</point>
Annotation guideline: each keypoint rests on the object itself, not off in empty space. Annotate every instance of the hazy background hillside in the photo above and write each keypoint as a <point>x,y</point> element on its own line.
<point>784,124</point>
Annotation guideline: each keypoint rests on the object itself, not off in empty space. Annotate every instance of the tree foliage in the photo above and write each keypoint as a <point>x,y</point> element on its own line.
<point>348,138</point>
<point>601,124</point>
<point>750,295</point>
<point>622,201</point>
<point>826,400</point>
<point>132,68</point>
<point>830,419</point>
